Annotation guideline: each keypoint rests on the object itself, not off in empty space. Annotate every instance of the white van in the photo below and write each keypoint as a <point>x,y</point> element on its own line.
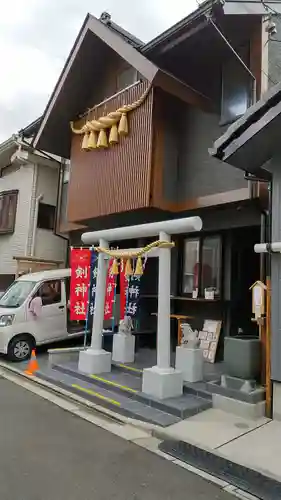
<point>22,327</point>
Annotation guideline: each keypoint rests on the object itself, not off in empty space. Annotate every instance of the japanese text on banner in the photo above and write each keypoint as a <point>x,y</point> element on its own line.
<point>79,283</point>
<point>123,290</point>
<point>110,295</point>
<point>93,287</point>
<point>130,288</point>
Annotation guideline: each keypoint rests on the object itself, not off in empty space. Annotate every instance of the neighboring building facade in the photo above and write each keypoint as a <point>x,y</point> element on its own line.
<point>196,87</point>
<point>28,196</point>
<point>253,145</point>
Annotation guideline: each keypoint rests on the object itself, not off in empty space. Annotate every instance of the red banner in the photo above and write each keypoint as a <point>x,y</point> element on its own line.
<point>123,290</point>
<point>110,292</point>
<point>80,262</point>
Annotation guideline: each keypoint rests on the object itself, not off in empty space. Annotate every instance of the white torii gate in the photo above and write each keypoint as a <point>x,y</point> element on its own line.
<point>161,380</point>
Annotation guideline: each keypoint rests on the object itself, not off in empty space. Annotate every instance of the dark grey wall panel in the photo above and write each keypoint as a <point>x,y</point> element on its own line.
<point>199,174</point>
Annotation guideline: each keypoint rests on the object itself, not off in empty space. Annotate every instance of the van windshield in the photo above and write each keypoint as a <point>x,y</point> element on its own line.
<point>16,294</point>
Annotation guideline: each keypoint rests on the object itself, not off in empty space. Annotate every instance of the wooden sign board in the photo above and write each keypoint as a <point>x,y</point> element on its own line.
<point>258,299</point>
<point>209,339</point>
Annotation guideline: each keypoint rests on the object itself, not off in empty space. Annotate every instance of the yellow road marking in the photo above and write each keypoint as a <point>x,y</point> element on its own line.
<point>96,394</point>
<point>137,370</point>
<point>114,384</point>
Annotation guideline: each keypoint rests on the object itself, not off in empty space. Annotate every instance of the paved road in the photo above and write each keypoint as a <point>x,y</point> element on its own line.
<point>47,453</point>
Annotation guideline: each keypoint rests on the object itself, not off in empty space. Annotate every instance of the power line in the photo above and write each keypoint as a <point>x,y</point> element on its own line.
<point>268,7</point>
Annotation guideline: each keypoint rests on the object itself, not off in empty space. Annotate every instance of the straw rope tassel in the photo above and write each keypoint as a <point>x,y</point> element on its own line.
<point>114,267</point>
<point>85,142</point>
<point>128,268</point>
<point>123,128</point>
<point>92,141</point>
<point>102,139</point>
<point>113,136</point>
<point>139,268</point>
<point>111,121</point>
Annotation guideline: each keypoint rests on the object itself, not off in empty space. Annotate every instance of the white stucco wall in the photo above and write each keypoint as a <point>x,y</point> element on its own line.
<point>47,184</point>
<point>47,244</point>
<point>20,178</point>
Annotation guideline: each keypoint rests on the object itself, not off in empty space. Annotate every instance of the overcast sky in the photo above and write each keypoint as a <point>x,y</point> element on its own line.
<point>37,35</point>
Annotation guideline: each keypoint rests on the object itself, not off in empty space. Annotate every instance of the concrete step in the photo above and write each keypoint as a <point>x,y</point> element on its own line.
<point>253,396</point>
<point>126,384</point>
<point>238,407</point>
<point>128,368</point>
<point>199,389</point>
<point>119,382</point>
<point>116,402</point>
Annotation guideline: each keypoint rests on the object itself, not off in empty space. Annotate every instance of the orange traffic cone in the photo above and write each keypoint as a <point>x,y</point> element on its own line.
<point>32,366</point>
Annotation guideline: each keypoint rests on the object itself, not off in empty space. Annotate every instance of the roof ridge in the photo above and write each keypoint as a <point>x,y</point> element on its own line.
<point>105,18</point>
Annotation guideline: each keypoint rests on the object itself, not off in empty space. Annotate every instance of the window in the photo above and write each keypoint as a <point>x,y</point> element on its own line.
<point>202,259</point>
<point>50,292</point>
<point>127,77</point>
<point>211,264</point>
<point>46,216</point>
<point>191,260</point>
<point>236,88</point>
<point>8,210</point>
<point>17,293</point>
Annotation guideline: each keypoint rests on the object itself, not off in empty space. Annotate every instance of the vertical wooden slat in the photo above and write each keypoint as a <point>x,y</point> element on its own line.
<point>116,179</point>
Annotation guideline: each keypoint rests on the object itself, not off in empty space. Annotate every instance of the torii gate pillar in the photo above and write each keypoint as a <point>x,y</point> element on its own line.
<point>160,381</point>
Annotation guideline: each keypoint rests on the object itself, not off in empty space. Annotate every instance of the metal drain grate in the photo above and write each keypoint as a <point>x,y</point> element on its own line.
<point>244,478</point>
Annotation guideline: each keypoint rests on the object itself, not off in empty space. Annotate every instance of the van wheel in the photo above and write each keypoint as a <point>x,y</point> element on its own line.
<point>20,348</point>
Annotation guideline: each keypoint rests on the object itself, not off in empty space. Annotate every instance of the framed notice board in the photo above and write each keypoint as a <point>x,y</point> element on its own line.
<point>209,338</point>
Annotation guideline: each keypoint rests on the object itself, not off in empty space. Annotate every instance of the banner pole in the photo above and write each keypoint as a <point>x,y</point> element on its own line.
<point>88,304</point>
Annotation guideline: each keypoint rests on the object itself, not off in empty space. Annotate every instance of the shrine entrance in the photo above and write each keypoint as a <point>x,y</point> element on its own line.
<point>161,380</point>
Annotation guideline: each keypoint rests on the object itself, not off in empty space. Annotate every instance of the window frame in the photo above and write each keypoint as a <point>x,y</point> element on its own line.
<point>54,280</point>
<point>52,229</point>
<point>118,84</point>
<point>201,239</point>
<point>4,214</point>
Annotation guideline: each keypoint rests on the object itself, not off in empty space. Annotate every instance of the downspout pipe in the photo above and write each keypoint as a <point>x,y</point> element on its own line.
<point>35,220</point>
<point>58,201</point>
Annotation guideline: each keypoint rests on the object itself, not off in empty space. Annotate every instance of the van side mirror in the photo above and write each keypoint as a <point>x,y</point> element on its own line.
<point>35,306</point>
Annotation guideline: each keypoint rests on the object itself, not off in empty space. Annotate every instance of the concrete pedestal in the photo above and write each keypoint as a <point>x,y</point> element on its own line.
<point>123,348</point>
<point>190,363</point>
<point>162,383</point>
<point>94,361</point>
